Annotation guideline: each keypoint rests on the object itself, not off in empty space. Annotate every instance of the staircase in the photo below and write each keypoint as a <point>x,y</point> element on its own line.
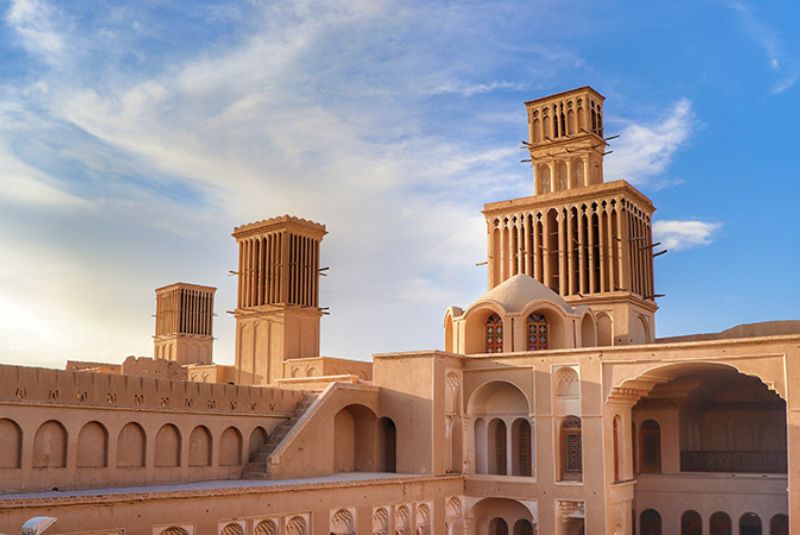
<point>257,468</point>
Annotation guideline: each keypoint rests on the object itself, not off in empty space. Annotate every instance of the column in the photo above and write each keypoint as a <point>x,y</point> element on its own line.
<point>569,170</point>
<point>553,179</point>
<point>571,251</point>
<point>601,249</point>
<point>546,249</point>
<point>581,253</point>
<point>562,257</point>
<point>590,230</point>
<point>586,179</point>
<point>613,272</point>
<point>537,250</point>
<point>520,243</point>
<point>526,245</point>
<point>501,261</point>
<point>240,276</point>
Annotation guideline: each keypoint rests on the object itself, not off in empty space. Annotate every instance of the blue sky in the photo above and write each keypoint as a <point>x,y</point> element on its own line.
<point>135,135</point>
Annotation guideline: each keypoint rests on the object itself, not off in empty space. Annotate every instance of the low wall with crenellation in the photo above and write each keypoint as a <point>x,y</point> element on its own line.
<point>68,429</point>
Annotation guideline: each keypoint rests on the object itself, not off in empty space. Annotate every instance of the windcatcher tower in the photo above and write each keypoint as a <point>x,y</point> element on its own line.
<point>184,321</point>
<point>586,239</point>
<point>278,314</point>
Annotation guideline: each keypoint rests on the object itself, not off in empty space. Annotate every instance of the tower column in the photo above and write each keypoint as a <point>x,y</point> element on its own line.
<point>570,251</point>
<point>601,247</point>
<point>562,255</point>
<point>581,252</point>
<point>592,268</point>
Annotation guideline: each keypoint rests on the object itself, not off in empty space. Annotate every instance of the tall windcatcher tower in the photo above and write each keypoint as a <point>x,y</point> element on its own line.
<point>184,321</point>
<point>278,314</point>
<point>586,239</point>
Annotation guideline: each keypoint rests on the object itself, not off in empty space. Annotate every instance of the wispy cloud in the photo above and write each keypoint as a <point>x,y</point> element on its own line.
<point>33,20</point>
<point>768,39</point>
<point>684,234</point>
<point>644,151</point>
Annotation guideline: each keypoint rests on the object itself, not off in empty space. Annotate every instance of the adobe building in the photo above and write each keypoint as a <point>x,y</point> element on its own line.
<point>554,409</point>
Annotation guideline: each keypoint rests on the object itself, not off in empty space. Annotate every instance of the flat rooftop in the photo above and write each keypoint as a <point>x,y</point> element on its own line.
<point>215,487</point>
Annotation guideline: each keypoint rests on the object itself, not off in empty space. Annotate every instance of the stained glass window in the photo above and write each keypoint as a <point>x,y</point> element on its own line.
<point>494,334</point>
<point>538,337</point>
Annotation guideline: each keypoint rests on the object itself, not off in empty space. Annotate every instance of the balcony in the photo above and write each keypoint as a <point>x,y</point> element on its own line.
<point>740,462</point>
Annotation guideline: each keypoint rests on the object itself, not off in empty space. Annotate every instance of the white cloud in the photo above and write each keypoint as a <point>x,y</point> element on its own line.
<point>644,151</point>
<point>33,21</point>
<point>684,234</point>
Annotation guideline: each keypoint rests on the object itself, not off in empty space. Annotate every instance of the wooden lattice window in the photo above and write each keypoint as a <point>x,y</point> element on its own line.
<point>524,448</point>
<point>501,458</point>
<point>538,335</point>
<point>494,334</point>
<point>571,449</point>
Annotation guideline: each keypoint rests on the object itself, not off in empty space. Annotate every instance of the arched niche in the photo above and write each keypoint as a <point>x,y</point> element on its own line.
<point>10,444</point>
<point>605,331</point>
<point>258,437</point>
<point>588,331</point>
<point>168,447</point>
<point>131,446</point>
<point>93,446</point>
<point>200,447</point>
<point>50,445</point>
<point>230,447</point>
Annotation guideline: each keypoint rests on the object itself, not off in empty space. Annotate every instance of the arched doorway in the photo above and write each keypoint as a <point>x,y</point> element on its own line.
<point>720,524</point>
<point>750,524</point>
<point>691,523</point>
<point>650,522</point>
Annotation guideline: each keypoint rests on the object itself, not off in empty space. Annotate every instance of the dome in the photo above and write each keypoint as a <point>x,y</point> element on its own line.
<point>516,293</point>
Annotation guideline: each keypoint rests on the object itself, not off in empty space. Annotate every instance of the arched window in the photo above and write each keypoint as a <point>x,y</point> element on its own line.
<point>498,460</point>
<point>750,524</point>
<point>523,527</point>
<point>779,525</point>
<point>691,523</point>
<point>650,447</point>
<point>650,522</point>
<point>498,526</point>
<point>494,334</point>
<point>720,524</point>
<point>571,449</point>
<point>538,335</point>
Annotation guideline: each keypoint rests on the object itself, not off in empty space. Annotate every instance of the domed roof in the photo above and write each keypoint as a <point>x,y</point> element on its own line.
<point>519,291</point>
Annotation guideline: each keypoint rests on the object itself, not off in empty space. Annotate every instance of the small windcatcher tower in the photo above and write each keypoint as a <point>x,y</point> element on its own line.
<point>586,239</point>
<point>184,321</point>
<point>278,314</point>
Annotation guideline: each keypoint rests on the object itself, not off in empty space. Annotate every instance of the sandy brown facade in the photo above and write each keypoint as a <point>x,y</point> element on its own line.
<point>553,410</point>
